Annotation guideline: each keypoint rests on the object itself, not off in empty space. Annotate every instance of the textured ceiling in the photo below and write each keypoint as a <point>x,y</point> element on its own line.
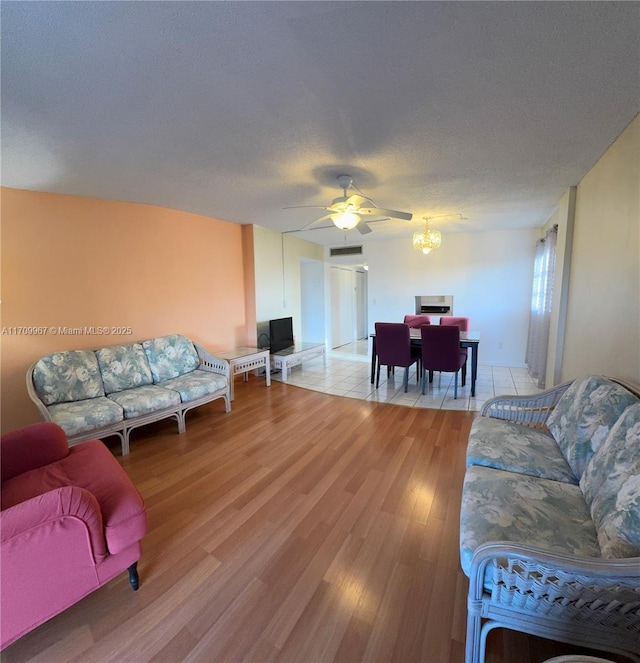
<point>238,109</point>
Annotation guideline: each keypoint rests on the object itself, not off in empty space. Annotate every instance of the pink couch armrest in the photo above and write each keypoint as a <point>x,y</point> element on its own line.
<point>46,512</point>
<point>31,447</point>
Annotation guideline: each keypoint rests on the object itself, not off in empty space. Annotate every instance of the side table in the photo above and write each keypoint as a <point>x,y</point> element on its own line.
<point>242,360</point>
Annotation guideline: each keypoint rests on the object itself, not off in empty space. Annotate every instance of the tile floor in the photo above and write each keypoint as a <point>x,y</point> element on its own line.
<point>347,372</point>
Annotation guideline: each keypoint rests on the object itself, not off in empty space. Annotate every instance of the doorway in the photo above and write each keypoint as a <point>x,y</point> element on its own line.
<point>342,306</point>
<point>362,312</point>
<point>348,305</point>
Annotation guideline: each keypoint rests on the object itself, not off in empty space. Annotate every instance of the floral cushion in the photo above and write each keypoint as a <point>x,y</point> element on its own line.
<point>62,377</point>
<point>145,399</point>
<point>506,445</point>
<point>196,384</point>
<point>170,356</point>
<point>611,486</point>
<point>505,506</point>
<point>87,415</point>
<point>123,367</point>
<point>584,416</point>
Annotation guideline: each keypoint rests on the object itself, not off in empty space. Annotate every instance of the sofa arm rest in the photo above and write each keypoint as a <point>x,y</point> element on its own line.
<point>532,411</point>
<point>35,397</point>
<point>31,521</point>
<point>210,363</point>
<point>31,447</point>
<point>524,575</point>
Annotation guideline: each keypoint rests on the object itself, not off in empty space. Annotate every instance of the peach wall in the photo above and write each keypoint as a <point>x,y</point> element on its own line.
<point>75,262</point>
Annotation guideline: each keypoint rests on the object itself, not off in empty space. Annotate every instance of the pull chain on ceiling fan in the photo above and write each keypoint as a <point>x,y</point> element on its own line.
<point>347,211</point>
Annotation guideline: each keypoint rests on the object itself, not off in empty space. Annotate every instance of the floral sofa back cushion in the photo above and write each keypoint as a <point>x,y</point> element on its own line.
<point>584,416</point>
<point>62,377</point>
<point>123,367</point>
<point>611,486</point>
<point>170,356</point>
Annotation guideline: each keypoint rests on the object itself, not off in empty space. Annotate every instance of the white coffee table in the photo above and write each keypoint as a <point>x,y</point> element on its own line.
<point>296,354</point>
<point>242,360</point>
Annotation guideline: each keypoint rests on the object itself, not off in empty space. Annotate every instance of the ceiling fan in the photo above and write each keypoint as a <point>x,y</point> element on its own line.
<point>347,211</point>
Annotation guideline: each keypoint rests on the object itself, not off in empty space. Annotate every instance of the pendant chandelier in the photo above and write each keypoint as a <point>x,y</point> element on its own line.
<point>428,239</point>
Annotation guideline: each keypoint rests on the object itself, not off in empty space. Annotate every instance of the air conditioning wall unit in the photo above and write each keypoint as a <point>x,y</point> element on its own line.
<point>346,251</point>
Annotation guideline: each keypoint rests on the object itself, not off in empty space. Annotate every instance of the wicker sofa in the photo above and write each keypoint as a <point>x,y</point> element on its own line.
<point>112,390</point>
<point>550,517</point>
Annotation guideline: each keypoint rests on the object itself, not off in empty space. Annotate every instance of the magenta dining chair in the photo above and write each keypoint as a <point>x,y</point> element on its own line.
<point>463,325</point>
<point>393,348</point>
<point>441,352</point>
<point>416,321</point>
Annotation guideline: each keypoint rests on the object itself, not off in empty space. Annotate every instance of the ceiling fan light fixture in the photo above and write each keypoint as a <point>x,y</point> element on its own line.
<point>345,220</point>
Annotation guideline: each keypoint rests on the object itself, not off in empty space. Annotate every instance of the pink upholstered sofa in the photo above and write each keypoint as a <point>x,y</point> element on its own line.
<point>71,520</point>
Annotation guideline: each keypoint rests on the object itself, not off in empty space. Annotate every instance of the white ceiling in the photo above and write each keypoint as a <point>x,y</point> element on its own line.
<point>237,109</point>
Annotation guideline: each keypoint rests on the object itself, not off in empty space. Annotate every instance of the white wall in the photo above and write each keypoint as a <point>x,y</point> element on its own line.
<point>489,275</point>
<point>603,304</point>
<point>564,218</point>
<point>312,296</point>
<point>278,280</point>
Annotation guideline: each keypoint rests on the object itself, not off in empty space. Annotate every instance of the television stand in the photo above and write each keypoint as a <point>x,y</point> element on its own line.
<point>295,355</point>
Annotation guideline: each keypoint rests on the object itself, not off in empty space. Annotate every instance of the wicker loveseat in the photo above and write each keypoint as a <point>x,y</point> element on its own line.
<point>112,390</point>
<point>550,517</point>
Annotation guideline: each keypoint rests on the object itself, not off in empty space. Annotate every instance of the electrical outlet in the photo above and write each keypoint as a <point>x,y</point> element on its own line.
<point>500,345</point>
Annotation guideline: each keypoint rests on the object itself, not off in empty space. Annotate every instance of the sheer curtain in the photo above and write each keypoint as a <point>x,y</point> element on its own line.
<point>539,323</point>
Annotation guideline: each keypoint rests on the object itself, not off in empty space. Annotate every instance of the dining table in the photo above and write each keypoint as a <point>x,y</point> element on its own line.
<point>470,339</point>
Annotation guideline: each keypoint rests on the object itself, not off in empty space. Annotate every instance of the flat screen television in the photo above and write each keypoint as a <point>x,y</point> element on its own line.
<point>280,334</point>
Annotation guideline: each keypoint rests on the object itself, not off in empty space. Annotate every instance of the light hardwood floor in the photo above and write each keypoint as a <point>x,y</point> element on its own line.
<point>301,527</point>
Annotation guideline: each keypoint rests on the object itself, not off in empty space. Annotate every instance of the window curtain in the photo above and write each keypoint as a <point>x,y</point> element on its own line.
<point>540,321</point>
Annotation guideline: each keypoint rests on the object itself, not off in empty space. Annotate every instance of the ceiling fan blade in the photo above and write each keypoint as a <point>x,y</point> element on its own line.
<point>380,211</point>
<point>305,207</point>
<point>357,200</point>
<point>324,217</point>
<point>288,232</point>
<point>363,228</point>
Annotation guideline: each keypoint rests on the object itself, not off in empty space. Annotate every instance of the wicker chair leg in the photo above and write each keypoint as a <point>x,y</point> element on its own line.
<point>473,653</point>
<point>124,441</point>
